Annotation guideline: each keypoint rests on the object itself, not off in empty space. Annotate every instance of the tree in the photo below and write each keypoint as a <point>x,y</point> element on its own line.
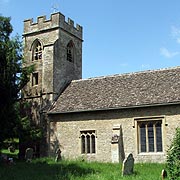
<point>13,78</point>
<point>173,158</point>
<point>30,134</point>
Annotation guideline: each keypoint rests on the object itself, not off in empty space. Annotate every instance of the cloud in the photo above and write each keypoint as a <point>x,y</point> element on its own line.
<point>5,1</point>
<point>145,66</point>
<point>175,33</point>
<point>166,53</point>
<point>124,64</point>
<point>178,40</point>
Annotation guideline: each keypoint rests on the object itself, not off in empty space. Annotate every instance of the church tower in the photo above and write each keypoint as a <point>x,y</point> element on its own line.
<point>54,48</point>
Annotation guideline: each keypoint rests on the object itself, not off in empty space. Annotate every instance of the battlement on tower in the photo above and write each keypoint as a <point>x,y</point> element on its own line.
<point>57,20</point>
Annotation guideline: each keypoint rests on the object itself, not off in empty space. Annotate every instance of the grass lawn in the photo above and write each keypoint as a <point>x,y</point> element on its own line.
<point>47,169</point>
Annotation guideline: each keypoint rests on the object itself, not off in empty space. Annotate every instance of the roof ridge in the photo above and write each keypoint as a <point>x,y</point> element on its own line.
<point>126,74</point>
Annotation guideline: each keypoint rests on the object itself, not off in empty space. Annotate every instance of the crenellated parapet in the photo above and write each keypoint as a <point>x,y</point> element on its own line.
<point>56,21</point>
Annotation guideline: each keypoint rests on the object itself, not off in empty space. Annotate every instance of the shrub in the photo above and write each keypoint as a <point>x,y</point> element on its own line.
<point>173,158</point>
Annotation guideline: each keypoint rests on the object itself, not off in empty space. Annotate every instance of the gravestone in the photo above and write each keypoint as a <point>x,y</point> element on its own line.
<point>11,149</point>
<point>164,174</point>
<point>128,165</point>
<point>58,155</point>
<point>29,154</point>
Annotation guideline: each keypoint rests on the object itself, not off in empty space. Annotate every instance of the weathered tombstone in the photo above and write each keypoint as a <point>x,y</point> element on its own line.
<point>11,149</point>
<point>164,174</point>
<point>58,155</point>
<point>29,154</point>
<point>128,165</point>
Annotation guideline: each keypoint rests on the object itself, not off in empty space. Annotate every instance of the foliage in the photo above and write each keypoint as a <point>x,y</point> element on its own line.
<point>46,168</point>
<point>13,78</point>
<point>29,131</point>
<point>173,158</point>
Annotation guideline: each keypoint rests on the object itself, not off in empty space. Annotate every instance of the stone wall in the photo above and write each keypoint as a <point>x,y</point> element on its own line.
<point>65,132</point>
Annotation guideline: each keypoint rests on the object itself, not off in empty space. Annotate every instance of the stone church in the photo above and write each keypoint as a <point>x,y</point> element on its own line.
<point>97,119</point>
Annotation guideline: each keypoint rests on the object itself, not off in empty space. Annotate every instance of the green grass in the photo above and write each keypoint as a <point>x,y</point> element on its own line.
<point>47,169</point>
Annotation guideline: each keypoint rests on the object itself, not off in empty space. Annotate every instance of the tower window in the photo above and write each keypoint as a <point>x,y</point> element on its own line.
<point>70,51</point>
<point>37,51</point>
<point>35,79</point>
<point>88,142</point>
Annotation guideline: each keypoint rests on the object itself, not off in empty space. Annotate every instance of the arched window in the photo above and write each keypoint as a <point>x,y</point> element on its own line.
<point>88,142</point>
<point>37,51</point>
<point>70,51</point>
<point>83,144</point>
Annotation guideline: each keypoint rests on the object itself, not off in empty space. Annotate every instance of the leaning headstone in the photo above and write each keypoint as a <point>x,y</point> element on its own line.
<point>128,165</point>
<point>164,174</point>
<point>29,154</point>
<point>58,155</point>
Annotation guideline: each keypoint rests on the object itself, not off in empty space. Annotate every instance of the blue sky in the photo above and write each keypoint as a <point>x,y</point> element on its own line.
<point>120,36</point>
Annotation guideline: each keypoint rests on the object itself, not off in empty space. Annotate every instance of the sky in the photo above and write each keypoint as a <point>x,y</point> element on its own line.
<point>120,36</point>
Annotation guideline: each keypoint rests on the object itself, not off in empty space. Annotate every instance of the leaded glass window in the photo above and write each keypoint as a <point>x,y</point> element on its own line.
<point>150,136</point>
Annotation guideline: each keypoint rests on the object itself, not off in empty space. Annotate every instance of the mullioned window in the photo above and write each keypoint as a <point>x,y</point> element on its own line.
<point>88,142</point>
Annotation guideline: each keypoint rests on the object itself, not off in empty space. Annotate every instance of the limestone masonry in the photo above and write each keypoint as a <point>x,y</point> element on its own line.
<point>98,119</point>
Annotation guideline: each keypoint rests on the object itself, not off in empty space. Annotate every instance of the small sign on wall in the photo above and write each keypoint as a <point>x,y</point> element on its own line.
<point>115,138</point>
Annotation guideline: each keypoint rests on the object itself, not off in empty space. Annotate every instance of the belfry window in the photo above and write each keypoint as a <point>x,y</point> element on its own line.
<point>88,142</point>
<point>37,51</point>
<point>70,51</point>
<point>150,136</point>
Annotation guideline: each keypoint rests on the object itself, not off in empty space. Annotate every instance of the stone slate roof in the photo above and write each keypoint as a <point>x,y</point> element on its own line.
<point>150,88</point>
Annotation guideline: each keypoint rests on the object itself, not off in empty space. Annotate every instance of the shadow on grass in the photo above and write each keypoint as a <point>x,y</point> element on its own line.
<point>73,170</point>
<point>42,170</point>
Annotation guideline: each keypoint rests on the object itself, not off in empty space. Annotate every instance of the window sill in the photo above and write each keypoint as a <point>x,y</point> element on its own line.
<point>35,85</point>
<point>88,154</point>
<point>150,153</point>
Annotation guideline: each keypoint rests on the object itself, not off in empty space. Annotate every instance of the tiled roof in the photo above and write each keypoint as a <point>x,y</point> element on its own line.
<point>120,91</point>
